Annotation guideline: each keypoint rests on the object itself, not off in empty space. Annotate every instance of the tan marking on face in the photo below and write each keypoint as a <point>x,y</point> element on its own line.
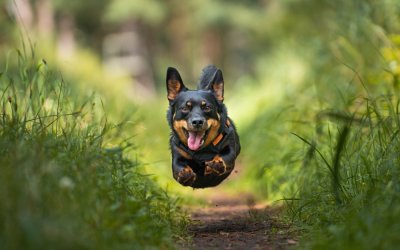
<point>183,153</point>
<point>178,127</point>
<point>189,104</point>
<point>174,87</point>
<point>203,103</point>
<point>213,126</point>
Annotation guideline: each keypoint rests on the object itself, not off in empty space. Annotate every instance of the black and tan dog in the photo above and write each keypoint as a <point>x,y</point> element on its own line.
<point>204,142</point>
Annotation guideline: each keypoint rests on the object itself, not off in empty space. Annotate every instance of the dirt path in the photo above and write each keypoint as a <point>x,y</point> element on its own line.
<point>237,223</point>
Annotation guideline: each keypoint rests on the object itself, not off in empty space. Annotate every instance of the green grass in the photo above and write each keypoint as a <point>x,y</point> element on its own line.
<point>66,181</point>
<point>330,148</point>
<point>349,193</point>
<point>336,169</point>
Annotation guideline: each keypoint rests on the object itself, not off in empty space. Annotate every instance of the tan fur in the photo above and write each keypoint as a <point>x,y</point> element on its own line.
<point>219,90</point>
<point>213,126</point>
<point>174,86</point>
<point>183,153</point>
<point>186,175</point>
<point>217,160</point>
<point>178,127</point>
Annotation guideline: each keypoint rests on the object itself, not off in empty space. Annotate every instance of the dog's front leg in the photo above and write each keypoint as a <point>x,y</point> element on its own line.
<point>181,170</point>
<point>223,163</point>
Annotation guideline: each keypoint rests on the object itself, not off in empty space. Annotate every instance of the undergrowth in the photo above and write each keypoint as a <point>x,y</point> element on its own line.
<point>330,148</point>
<point>348,195</point>
<point>66,182</point>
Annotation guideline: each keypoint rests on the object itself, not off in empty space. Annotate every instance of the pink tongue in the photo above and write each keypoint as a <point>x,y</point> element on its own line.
<point>194,140</point>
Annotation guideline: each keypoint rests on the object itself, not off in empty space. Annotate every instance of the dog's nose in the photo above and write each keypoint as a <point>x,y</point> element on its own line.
<point>197,123</point>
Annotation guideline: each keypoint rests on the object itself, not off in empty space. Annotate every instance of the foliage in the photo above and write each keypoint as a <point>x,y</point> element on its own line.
<point>340,178</point>
<point>348,186</point>
<point>311,85</point>
<point>63,185</point>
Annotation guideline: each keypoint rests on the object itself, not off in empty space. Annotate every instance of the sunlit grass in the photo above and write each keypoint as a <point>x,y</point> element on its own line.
<point>348,193</point>
<point>62,184</point>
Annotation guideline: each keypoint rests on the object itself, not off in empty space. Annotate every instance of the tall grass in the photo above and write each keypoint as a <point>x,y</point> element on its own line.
<point>330,148</point>
<point>354,203</point>
<point>63,185</point>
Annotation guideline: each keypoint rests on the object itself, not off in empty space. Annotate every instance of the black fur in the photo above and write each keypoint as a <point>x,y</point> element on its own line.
<point>210,164</point>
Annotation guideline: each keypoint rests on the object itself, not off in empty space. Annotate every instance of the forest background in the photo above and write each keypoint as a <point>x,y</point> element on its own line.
<point>313,87</point>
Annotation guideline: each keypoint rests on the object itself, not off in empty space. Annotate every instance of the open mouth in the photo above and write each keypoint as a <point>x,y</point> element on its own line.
<point>195,138</point>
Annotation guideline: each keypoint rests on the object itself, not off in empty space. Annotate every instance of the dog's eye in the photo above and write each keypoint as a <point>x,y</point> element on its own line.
<point>206,108</point>
<point>185,109</point>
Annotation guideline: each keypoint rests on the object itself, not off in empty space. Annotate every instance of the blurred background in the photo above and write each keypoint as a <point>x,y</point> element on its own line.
<point>299,75</point>
<point>283,62</point>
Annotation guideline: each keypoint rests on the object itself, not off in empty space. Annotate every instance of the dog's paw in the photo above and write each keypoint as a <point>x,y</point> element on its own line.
<point>186,176</point>
<point>215,166</point>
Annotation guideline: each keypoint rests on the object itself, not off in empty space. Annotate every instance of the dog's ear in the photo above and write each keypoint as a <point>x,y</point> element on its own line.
<point>174,83</point>
<point>217,85</point>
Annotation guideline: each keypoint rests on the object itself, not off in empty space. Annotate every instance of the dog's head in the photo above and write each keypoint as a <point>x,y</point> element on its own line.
<point>195,116</point>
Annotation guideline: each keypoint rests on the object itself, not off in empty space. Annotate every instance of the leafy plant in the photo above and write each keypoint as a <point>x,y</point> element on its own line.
<point>63,184</point>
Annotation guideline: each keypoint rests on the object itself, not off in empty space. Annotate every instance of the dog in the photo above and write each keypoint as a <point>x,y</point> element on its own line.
<point>204,142</point>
